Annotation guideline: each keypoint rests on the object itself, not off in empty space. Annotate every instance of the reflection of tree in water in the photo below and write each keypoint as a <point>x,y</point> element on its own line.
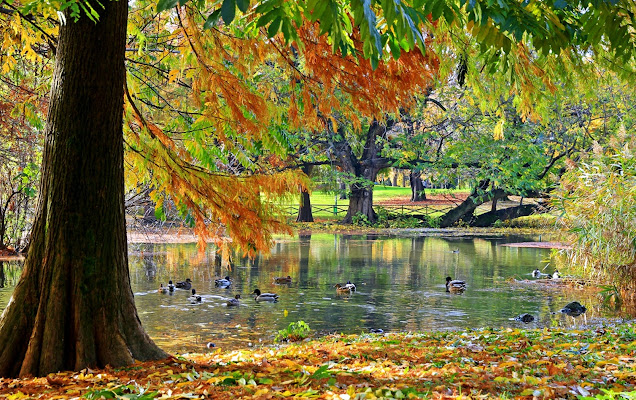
<point>303,267</point>
<point>2,278</point>
<point>150,266</point>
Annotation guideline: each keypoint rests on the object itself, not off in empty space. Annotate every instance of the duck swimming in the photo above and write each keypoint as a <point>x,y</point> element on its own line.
<point>343,289</point>
<point>223,282</point>
<point>162,289</point>
<point>195,298</point>
<point>234,301</point>
<point>282,279</point>
<point>455,286</point>
<point>536,273</point>
<point>264,296</point>
<point>573,309</point>
<point>170,286</point>
<point>187,284</point>
<point>525,318</point>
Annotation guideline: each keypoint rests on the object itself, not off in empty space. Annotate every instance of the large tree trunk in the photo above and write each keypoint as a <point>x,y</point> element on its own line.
<point>417,186</point>
<point>489,218</point>
<point>304,209</point>
<point>74,307</point>
<point>367,168</point>
<point>465,211</point>
<point>360,203</point>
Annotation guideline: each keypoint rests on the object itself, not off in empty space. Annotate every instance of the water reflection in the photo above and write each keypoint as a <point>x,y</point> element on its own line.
<point>400,287</point>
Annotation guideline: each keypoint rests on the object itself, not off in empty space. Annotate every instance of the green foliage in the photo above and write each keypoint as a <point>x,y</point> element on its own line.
<point>597,201</point>
<point>360,219</point>
<point>296,331</point>
<point>389,220</point>
<point>609,394</point>
<point>131,392</point>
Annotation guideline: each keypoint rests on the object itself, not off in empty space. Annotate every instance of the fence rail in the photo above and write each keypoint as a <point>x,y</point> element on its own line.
<point>406,209</point>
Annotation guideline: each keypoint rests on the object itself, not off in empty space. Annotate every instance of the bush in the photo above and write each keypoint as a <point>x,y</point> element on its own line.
<point>295,332</point>
<point>597,200</point>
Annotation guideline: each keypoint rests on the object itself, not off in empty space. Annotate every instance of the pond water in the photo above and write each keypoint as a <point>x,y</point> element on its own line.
<point>399,279</point>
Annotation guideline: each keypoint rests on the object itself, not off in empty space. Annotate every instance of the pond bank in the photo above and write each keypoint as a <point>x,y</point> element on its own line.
<point>508,363</point>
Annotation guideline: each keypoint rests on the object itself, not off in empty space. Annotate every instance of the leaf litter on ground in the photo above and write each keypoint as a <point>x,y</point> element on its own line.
<point>487,363</point>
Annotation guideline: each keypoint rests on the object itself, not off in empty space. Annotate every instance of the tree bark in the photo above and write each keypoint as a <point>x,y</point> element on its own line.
<point>366,168</point>
<point>489,218</point>
<point>417,186</point>
<point>304,209</point>
<point>74,307</point>
<point>465,211</point>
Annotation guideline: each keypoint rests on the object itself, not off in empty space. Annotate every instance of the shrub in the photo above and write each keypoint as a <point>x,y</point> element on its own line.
<point>295,332</point>
<point>597,200</point>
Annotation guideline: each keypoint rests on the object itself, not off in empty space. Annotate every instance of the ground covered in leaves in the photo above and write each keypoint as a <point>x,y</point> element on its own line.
<point>471,364</point>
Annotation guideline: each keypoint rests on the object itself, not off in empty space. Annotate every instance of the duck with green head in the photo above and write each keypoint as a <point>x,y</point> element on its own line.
<point>264,296</point>
<point>454,285</point>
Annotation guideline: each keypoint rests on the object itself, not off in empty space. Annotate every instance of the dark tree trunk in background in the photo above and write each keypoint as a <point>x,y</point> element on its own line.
<point>489,218</point>
<point>343,191</point>
<point>73,307</point>
<point>465,211</point>
<point>367,168</point>
<point>417,186</point>
<point>304,209</point>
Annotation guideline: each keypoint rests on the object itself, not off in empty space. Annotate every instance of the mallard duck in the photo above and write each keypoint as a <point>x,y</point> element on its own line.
<point>455,286</point>
<point>264,296</point>
<point>187,284</point>
<point>525,318</point>
<point>573,309</point>
<point>223,282</point>
<point>162,289</point>
<point>170,286</point>
<point>536,273</point>
<point>556,274</point>
<point>343,289</point>
<point>350,286</point>
<point>234,301</point>
<point>195,298</point>
<point>282,279</point>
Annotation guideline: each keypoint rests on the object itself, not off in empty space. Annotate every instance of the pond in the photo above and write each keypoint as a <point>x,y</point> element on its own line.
<point>399,279</point>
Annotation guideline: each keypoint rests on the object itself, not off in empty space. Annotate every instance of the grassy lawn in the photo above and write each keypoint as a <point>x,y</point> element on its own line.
<point>323,202</point>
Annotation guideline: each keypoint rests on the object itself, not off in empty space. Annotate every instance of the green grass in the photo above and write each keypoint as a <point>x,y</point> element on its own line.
<point>380,193</point>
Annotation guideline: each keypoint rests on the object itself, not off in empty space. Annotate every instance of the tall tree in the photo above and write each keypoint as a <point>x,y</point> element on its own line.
<point>74,307</point>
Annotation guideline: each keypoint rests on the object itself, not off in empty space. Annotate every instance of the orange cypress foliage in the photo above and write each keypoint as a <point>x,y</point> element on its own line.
<point>239,98</point>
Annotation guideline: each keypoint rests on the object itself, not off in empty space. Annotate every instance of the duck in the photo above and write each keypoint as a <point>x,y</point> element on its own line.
<point>343,289</point>
<point>170,286</point>
<point>456,251</point>
<point>264,296</point>
<point>234,301</point>
<point>282,279</point>
<point>187,284</point>
<point>536,273</point>
<point>556,274</point>
<point>350,286</point>
<point>162,289</point>
<point>525,318</point>
<point>573,309</point>
<point>455,286</point>
<point>223,282</point>
<point>195,298</point>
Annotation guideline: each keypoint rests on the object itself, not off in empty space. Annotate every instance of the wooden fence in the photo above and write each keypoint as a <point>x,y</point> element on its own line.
<point>407,209</point>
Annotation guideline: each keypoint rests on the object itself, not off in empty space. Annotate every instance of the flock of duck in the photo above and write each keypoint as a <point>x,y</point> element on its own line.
<point>223,283</point>
<point>455,286</point>
<point>452,286</point>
